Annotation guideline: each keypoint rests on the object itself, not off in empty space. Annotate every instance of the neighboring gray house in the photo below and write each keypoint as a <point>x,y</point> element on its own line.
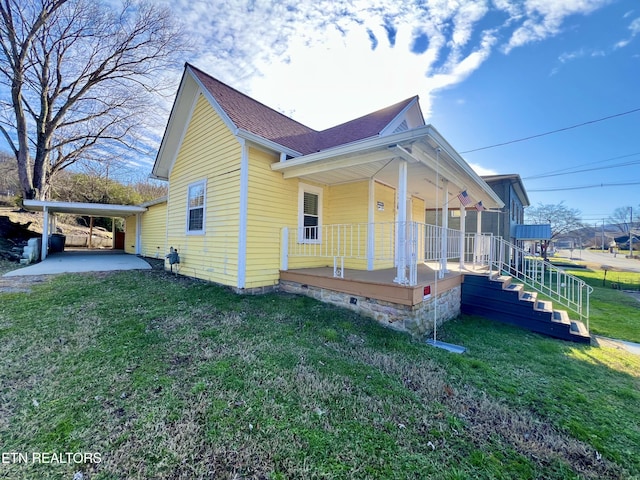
<point>501,223</point>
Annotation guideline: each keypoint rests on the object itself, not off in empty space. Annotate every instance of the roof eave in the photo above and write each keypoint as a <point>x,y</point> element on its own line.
<point>269,144</point>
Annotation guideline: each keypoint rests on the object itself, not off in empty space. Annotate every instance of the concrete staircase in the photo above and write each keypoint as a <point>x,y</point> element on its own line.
<point>495,297</point>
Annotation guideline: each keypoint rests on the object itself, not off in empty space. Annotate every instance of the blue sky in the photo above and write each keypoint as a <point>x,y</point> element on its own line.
<point>487,72</point>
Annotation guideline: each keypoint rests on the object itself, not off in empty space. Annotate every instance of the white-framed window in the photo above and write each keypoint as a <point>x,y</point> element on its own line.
<point>196,201</point>
<point>309,214</point>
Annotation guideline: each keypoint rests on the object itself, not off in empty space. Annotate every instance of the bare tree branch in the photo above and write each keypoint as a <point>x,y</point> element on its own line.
<point>81,74</point>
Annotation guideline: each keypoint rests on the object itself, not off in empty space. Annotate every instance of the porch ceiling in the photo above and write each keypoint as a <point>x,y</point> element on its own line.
<point>378,159</point>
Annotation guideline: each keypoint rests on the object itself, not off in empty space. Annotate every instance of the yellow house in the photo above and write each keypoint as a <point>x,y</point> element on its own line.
<point>258,201</point>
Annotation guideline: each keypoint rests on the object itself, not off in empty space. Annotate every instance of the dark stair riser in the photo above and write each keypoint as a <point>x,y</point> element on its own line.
<point>504,296</point>
<point>552,329</point>
<point>485,297</point>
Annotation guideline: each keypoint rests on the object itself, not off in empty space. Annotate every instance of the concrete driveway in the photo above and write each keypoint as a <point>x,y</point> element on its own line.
<point>74,261</point>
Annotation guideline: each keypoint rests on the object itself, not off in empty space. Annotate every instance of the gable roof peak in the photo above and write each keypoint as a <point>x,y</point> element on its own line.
<point>248,114</point>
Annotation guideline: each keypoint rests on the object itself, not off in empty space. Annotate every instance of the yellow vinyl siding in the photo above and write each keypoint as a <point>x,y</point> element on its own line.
<point>272,203</point>
<point>418,215</point>
<point>417,210</point>
<point>209,152</point>
<point>153,232</point>
<point>348,204</point>
<point>130,234</point>
<point>384,234</point>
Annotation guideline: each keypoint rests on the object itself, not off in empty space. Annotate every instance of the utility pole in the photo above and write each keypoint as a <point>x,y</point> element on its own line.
<point>631,233</point>
<point>603,234</point>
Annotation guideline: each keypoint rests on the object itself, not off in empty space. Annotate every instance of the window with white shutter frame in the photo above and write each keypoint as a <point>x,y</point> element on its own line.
<point>196,201</point>
<point>309,214</point>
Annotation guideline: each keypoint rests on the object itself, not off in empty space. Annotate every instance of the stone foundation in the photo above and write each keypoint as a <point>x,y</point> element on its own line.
<point>416,320</point>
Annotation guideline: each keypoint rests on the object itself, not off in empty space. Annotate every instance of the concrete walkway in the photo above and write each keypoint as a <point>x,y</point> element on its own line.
<point>619,344</point>
<point>75,261</point>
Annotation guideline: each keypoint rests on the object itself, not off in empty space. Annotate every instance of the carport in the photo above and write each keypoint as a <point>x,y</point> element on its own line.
<point>50,208</point>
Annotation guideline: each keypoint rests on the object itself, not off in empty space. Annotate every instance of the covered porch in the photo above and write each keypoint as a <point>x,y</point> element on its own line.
<point>382,225</point>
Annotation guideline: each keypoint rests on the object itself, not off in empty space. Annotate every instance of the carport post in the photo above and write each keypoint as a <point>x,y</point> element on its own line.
<point>45,232</point>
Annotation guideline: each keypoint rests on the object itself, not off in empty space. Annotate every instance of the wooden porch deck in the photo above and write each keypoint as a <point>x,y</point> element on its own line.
<point>379,284</point>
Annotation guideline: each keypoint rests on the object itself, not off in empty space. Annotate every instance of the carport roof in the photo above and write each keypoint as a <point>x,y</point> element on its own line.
<point>78,208</point>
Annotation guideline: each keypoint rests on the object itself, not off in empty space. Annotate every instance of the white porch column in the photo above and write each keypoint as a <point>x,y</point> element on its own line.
<point>371,239</point>
<point>444,247</point>
<point>401,259</point>
<point>476,243</point>
<point>45,233</point>
<point>463,231</point>
<point>138,234</point>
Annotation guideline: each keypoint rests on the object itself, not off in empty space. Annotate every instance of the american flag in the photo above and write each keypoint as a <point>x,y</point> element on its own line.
<point>464,198</point>
<point>480,207</point>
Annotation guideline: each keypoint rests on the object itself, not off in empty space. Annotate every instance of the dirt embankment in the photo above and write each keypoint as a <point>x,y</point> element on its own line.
<point>18,226</point>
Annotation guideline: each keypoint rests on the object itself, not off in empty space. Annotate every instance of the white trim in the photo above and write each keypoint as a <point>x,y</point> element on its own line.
<point>463,230</point>
<point>183,133</point>
<point>302,188</point>
<point>138,234</point>
<point>78,208</point>
<point>269,144</point>
<point>371,240</point>
<point>244,205</point>
<point>402,116</point>
<point>179,117</point>
<point>45,232</point>
<point>401,230</point>
<point>204,209</point>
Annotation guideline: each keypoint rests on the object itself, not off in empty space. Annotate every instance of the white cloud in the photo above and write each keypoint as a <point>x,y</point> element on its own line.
<point>482,171</point>
<point>634,27</point>
<point>313,59</point>
<point>544,18</point>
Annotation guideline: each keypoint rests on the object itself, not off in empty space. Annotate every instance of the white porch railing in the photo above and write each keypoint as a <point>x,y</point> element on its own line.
<point>503,257</point>
<point>408,244</point>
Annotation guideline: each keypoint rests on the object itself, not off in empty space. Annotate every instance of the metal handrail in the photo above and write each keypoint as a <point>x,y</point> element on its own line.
<point>561,287</point>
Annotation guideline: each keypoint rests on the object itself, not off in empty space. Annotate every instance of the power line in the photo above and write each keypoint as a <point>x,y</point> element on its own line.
<point>553,131</point>
<point>583,187</point>
<point>569,170</point>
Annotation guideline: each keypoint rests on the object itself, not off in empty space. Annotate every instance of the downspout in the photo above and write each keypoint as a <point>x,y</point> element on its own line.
<point>242,227</point>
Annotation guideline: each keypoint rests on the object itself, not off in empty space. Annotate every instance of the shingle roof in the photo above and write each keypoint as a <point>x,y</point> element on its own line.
<point>250,115</point>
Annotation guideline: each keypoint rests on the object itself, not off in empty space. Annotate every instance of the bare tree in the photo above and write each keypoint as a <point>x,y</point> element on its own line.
<point>9,184</point>
<point>621,218</point>
<point>82,78</point>
<point>562,219</point>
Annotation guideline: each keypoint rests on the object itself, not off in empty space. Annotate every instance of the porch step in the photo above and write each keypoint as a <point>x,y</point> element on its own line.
<point>495,297</point>
<point>578,328</point>
<point>544,306</point>
<point>561,316</point>
<point>529,296</point>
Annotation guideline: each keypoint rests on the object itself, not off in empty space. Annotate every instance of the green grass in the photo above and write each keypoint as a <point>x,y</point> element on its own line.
<point>171,378</point>
<point>613,313</point>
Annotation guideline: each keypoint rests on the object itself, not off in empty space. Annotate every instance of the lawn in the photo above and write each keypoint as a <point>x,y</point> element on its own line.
<point>613,313</point>
<point>154,376</point>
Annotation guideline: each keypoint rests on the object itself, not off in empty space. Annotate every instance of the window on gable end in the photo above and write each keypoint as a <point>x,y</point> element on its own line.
<point>196,207</point>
